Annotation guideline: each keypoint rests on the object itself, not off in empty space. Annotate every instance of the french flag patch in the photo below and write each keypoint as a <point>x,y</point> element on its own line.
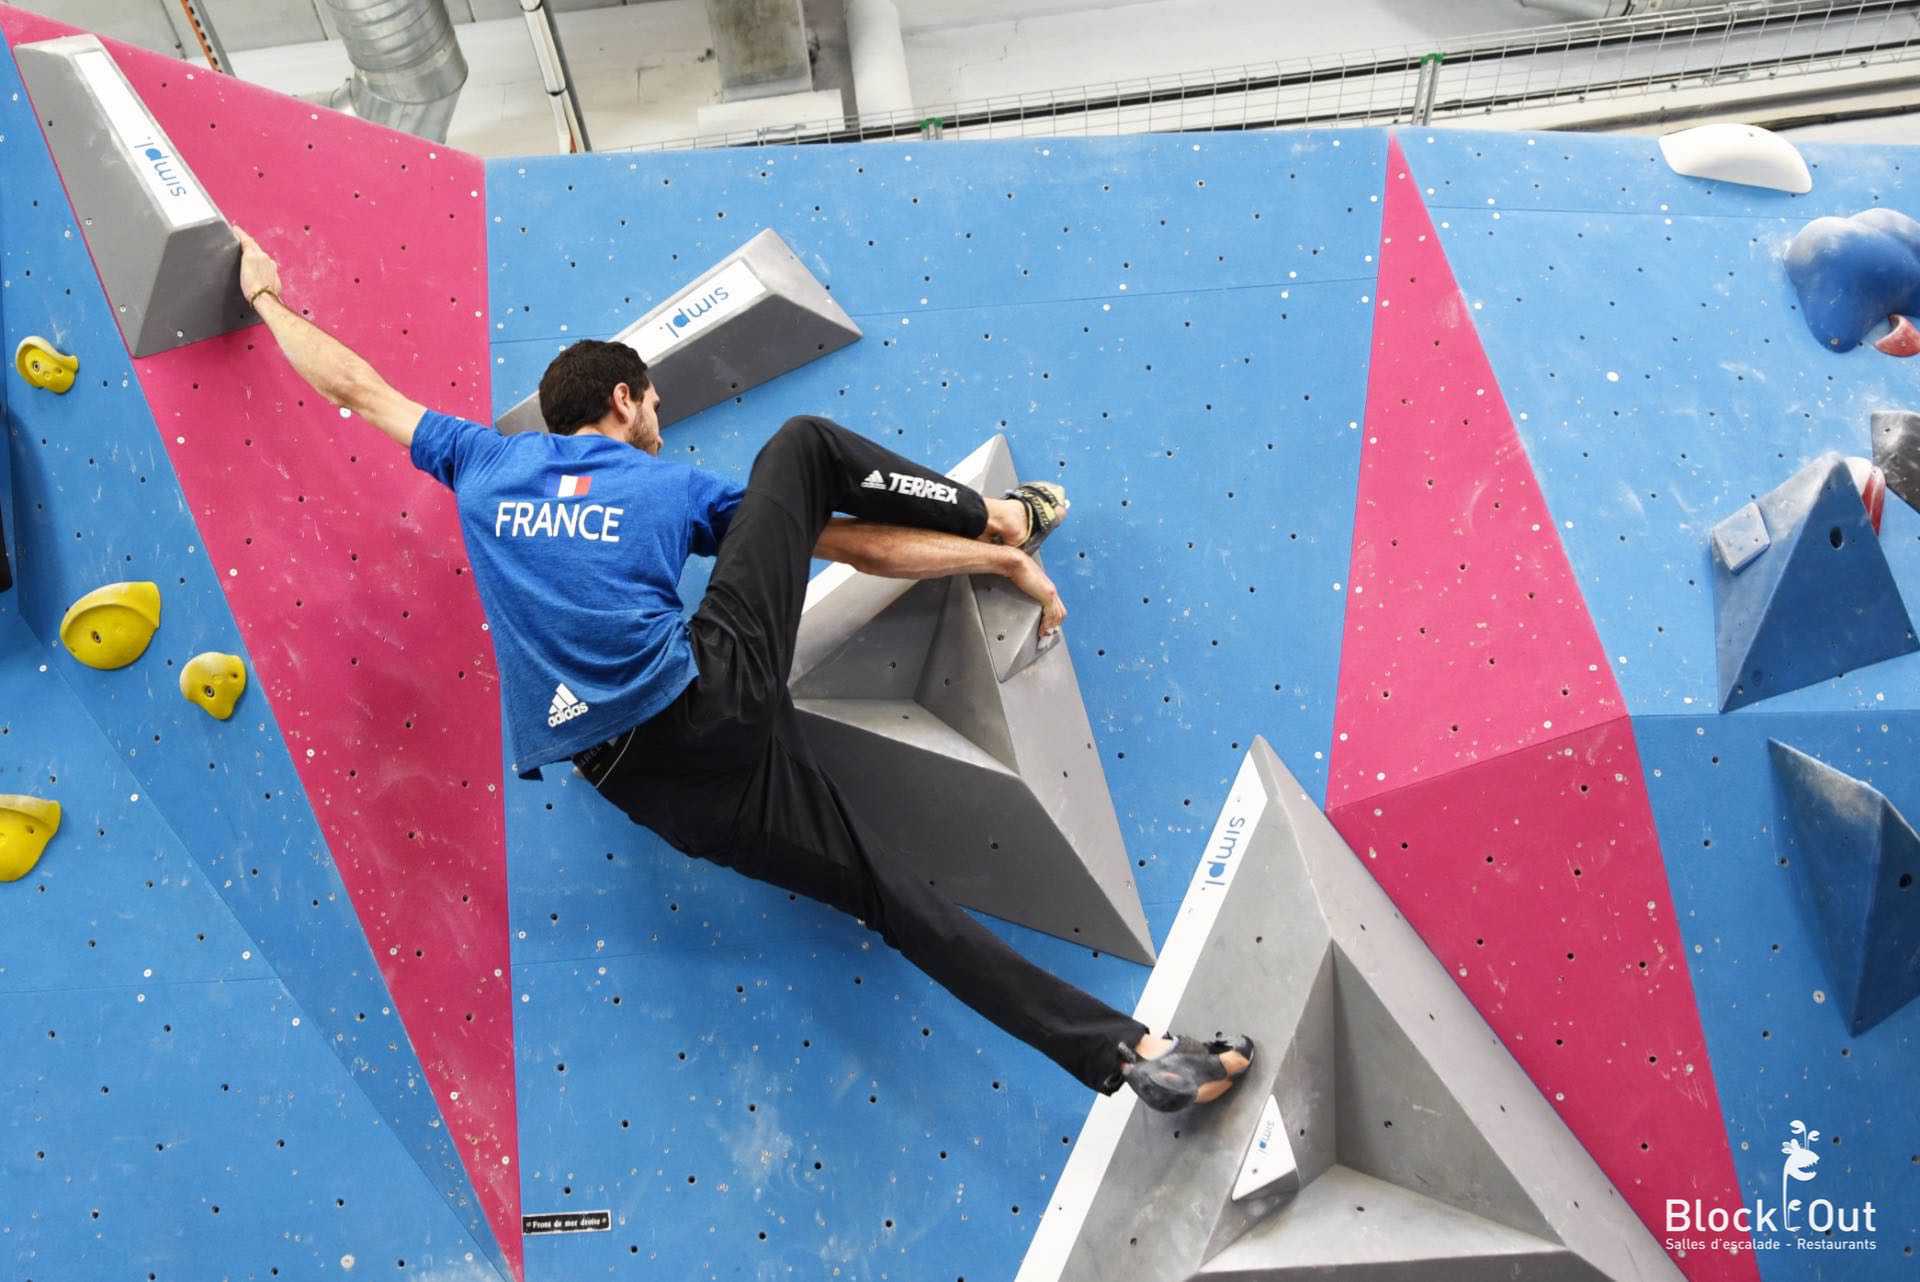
<point>572,487</point>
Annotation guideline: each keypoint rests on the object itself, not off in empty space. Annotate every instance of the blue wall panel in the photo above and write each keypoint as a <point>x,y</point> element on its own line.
<point>172,1110</point>
<point>1650,347</point>
<point>1779,1042</point>
<point>1197,385</point>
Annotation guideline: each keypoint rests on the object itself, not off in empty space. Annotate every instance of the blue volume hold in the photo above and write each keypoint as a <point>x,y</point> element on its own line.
<point>1818,602</point>
<point>1858,864</point>
<point>1853,273</point>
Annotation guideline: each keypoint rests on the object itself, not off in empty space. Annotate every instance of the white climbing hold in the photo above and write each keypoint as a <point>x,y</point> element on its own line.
<point>1744,154</point>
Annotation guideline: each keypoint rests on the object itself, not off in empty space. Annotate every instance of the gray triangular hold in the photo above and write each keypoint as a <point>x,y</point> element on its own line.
<point>168,259</point>
<point>1896,451</point>
<point>1421,1148</point>
<point>751,317</point>
<point>925,698</point>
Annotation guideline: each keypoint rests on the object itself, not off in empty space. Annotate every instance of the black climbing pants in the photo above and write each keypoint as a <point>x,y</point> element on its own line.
<point>724,773</point>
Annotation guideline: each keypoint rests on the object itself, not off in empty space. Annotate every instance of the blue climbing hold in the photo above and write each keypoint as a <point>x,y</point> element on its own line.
<point>1858,863</point>
<point>1819,601</point>
<point>1854,274</point>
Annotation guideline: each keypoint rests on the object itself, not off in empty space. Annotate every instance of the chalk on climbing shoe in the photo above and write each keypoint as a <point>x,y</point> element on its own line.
<point>27,824</point>
<point>110,627</point>
<point>43,365</point>
<point>215,681</point>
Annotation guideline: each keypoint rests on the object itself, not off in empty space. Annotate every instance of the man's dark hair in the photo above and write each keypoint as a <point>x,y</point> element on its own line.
<point>577,388</point>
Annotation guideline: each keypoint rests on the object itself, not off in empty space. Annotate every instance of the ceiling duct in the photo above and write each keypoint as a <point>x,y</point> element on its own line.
<point>408,68</point>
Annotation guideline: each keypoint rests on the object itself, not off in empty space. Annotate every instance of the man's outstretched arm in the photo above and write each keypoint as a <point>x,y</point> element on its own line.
<point>336,371</point>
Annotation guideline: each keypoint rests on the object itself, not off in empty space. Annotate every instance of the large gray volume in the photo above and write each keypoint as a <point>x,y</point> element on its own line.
<point>748,319</point>
<point>1401,1139</point>
<point>964,742</point>
<point>170,263</point>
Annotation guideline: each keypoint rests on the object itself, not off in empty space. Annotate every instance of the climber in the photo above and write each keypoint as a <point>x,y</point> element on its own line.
<point>578,537</point>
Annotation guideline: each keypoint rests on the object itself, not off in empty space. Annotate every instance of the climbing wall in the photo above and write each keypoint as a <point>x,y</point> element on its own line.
<point>1400,452</point>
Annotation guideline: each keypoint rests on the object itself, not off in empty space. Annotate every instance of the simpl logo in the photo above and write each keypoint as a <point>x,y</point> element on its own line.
<point>1838,1227</point>
<point>1221,856</point>
<point>163,170</point>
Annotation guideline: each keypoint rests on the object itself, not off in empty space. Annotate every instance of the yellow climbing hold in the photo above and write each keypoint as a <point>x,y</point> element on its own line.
<point>109,627</point>
<point>215,681</point>
<point>44,366</point>
<point>27,824</point>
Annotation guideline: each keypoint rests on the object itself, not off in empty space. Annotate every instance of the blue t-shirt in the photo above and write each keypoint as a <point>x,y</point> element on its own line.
<point>577,544</point>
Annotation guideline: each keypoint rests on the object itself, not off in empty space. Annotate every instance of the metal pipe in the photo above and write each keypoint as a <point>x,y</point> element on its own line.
<point>555,76</point>
<point>408,68</point>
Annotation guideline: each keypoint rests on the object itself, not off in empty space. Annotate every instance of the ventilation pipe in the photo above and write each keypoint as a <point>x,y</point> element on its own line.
<point>408,69</point>
<point>879,57</point>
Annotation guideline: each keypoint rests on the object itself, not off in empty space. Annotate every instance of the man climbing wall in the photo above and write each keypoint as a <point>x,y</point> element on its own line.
<point>578,537</point>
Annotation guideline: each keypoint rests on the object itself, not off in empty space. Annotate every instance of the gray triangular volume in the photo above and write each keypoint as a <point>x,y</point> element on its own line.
<point>917,692</point>
<point>170,263</point>
<point>751,317</point>
<point>1421,1148</point>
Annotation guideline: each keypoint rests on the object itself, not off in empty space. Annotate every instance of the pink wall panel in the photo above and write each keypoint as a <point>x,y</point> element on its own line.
<point>1483,766</point>
<point>1458,583</point>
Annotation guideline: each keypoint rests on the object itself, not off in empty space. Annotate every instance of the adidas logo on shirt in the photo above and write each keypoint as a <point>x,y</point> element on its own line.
<point>564,708</point>
<point>874,481</point>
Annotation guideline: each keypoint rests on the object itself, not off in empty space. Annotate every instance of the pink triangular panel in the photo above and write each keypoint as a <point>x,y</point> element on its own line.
<point>386,690</point>
<point>1485,769</point>
<point>1466,634</point>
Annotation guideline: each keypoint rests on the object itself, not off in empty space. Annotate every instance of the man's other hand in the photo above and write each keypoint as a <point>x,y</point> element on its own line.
<point>1032,580</point>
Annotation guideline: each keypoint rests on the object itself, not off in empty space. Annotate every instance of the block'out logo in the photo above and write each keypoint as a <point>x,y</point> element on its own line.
<point>165,170</point>
<point>1814,1224</point>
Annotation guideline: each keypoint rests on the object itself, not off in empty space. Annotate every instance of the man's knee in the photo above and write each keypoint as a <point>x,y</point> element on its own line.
<point>802,432</point>
<point>803,445</point>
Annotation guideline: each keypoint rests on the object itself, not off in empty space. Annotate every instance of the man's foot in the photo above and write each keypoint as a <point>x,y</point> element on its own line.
<point>1027,514</point>
<point>1170,1074</point>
